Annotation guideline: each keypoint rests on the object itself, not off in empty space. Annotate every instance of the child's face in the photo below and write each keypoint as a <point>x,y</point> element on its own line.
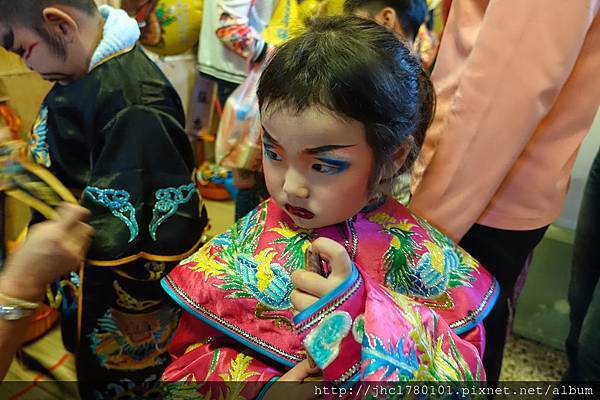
<point>317,167</point>
<point>39,56</point>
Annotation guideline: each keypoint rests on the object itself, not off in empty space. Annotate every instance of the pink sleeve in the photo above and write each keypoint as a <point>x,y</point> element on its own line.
<point>501,67</point>
<point>361,330</point>
<point>204,358</point>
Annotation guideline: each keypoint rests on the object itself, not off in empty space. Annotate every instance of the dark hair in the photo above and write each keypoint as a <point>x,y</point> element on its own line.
<point>411,13</point>
<point>29,13</point>
<point>354,69</point>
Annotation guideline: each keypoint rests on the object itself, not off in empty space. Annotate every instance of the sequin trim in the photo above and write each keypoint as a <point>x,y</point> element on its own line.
<point>168,201</point>
<point>117,201</point>
<point>348,374</point>
<point>472,315</point>
<point>322,313</point>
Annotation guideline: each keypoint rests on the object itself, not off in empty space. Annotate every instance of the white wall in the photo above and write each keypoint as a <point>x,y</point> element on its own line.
<point>587,152</point>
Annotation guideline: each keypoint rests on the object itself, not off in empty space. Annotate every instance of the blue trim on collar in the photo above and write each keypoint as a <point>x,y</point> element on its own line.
<point>341,288</point>
<point>352,381</point>
<point>266,387</point>
<point>484,314</point>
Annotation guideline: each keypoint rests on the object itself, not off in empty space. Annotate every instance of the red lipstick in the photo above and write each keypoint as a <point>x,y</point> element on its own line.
<point>299,212</point>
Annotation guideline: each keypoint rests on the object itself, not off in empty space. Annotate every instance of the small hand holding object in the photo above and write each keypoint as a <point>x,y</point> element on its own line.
<point>295,386</point>
<point>313,283</point>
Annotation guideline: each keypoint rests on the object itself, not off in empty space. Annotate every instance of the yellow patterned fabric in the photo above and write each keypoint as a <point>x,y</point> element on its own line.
<point>285,23</point>
<point>334,7</point>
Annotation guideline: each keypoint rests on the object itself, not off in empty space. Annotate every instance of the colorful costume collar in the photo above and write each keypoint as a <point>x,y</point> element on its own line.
<point>248,270</point>
<point>120,34</point>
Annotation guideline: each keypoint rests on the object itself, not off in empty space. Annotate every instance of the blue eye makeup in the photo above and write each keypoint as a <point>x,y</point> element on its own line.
<point>269,152</point>
<point>331,166</point>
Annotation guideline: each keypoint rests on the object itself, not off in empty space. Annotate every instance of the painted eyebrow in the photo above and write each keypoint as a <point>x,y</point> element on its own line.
<point>8,40</point>
<point>315,150</point>
<point>332,161</point>
<point>328,148</point>
<point>267,137</point>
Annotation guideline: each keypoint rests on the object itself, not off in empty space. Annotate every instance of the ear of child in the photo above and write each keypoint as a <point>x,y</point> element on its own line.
<point>60,23</point>
<point>310,286</point>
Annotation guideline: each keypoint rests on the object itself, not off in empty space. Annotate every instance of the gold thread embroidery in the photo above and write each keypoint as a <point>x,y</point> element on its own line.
<point>442,302</point>
<point>127,301</point>
<point>279,320</point>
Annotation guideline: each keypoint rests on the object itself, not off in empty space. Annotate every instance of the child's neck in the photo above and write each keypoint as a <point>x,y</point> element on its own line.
<point>97,39</point>
<point>374,203</point>
<point>91,35</point>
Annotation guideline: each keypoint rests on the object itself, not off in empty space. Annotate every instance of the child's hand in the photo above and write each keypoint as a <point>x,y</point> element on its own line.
<point>309,286</point>
<point>298,374</point>
<point>52,249</point>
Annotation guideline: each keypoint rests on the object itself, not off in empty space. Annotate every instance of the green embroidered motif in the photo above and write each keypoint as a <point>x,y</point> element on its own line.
<point>461,273</point>
<point>168,201</point>
<point>240,241</point>
<point>400,256</point>
<point>442,265</point>
<point>232,257</point>
<point>436,364</point>
<point>117,201</point>
<point>296,244</point>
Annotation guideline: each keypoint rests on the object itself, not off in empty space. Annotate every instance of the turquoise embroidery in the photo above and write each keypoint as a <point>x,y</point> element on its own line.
<point>117,201</point>
<point>268,283</point>
<point>168,201</point>
<point>38,148</point>
<point>358,328</point>
<point>376,358</point>
<point>323,343</point>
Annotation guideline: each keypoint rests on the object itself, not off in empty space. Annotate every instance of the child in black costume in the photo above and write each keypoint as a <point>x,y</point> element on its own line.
<point>111,129</point>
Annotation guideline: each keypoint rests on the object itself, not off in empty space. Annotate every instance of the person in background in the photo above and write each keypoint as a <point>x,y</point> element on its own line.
<point>516,97</point>
<point>403,17</point>
<point>583,343</point>
<point>52,249</point>
<point>111,129</point>
<point>409,19</point>
<point>230,39</point>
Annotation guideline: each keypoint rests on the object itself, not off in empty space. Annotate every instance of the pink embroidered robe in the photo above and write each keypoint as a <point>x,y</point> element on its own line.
<point>411,309</point>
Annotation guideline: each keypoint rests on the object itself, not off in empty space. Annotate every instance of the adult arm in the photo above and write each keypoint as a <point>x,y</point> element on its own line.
<point>504,63</point>
<point>52,249</point>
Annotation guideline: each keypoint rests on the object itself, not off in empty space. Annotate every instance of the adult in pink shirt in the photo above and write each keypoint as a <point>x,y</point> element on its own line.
<point>518,87</point>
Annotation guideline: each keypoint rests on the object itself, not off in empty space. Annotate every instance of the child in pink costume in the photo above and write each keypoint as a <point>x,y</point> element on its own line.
<point>344,108</point>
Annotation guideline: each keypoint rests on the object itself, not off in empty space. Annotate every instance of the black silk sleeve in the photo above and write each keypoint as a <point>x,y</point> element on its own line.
<point>141,190</point>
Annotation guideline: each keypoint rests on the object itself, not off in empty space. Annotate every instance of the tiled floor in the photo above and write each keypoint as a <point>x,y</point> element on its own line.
<point>526,360</point>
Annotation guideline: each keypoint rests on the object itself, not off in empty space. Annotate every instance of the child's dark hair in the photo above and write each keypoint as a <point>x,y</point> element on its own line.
<point>355,69</point>
<point>411,13</point>
<point>29,13</point>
